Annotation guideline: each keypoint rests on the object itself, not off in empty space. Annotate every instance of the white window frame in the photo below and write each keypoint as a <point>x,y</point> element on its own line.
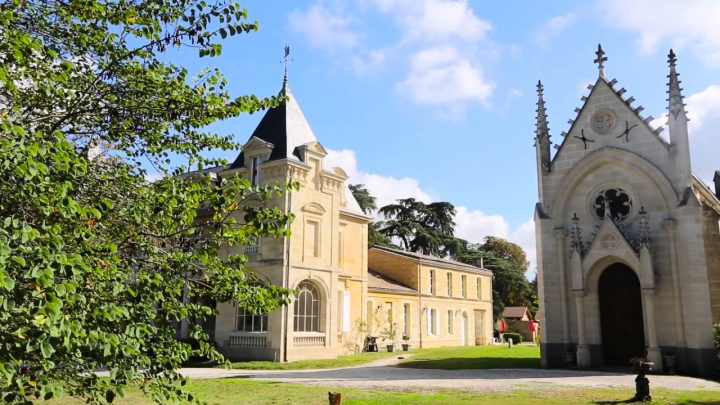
<point>463,286</point>
<point>258,322</point>
<point>450,321</point>
<point>449,284</point>
<point>432,322</point>
<point>406,319</point>
<point>307,308</point>
<point>432,282</point>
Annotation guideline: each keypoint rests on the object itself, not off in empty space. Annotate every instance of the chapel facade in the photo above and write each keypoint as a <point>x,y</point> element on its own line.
<point>325,261</point>
<point>628,238</point>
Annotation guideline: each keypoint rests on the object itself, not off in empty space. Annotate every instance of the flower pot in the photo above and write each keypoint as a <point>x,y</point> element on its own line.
<point>391,348</point>
<point>406,346</point>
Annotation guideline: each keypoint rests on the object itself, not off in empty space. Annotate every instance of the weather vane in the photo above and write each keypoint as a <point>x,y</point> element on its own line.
<point>287,62</point>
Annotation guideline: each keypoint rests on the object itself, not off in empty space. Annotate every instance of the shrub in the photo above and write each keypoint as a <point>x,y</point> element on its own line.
<point>516,337</point>
<point>716,330</point>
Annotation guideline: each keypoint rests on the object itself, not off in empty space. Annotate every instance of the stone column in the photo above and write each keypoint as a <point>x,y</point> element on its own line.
<point>583,351</point>
<point>653,351</point>
<point>560,236</point>
<point>670,227</point>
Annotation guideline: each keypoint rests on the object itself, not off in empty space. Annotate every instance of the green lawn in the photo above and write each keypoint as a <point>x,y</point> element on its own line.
<point>244,391</point>
<point>342,361</point>
<point>474,357</point>
<point>446,358</point>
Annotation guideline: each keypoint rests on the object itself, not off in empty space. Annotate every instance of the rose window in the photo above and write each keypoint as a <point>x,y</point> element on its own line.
<point>616,200</point>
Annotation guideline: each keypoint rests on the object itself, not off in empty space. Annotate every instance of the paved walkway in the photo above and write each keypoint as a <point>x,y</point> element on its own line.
<point>383,375</point>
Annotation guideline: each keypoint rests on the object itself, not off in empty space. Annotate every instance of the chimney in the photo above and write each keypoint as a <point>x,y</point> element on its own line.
<point>716,180</point>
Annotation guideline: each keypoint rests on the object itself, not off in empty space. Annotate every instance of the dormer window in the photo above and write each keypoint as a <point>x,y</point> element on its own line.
<point>255,171</point>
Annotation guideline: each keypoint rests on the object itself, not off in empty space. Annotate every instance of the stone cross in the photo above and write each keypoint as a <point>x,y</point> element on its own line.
<point>600,60</point>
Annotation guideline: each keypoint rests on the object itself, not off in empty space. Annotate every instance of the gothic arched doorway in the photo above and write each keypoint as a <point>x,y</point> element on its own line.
<point>621,316</point>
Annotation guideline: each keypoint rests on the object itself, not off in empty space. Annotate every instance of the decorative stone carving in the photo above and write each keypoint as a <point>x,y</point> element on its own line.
<point>609,242</point>
<point>603,121</point>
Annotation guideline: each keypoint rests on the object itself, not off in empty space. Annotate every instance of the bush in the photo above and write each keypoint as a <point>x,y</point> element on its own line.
<point>716,330</point>
<point>516,337</point>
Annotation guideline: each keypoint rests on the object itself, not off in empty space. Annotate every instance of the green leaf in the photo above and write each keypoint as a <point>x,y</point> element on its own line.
<point>19,260</point>
<point>46,349</point>
<point>223,33</point>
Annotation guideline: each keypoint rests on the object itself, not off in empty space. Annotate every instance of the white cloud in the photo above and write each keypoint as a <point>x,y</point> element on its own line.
<point>471,225</point>
<point>441,75</point>
<point>692,23</point>
<point>386,189</point>
<point>703,109</point>
<point>324,29</point>
<point>373,60</point>
<point>554,26</point>
<point>434,20</point>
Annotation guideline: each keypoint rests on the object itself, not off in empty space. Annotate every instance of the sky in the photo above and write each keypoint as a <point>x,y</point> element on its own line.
<point>436,99</point>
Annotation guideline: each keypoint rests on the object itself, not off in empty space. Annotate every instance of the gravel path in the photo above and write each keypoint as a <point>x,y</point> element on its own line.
<point>382,374</point>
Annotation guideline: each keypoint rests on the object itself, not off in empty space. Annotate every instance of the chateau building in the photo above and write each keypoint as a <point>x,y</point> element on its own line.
<point>433,301</point>
<point>325,261</point>
<point>628,237</point>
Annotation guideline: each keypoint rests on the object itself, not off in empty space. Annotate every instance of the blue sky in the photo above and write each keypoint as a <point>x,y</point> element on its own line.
<point>435,99</point>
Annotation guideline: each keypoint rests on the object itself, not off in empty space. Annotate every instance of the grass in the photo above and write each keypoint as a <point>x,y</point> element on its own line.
<point>342,361</point>
<point>243,391</point>
<point>475,357</point>
<point>445,358</point>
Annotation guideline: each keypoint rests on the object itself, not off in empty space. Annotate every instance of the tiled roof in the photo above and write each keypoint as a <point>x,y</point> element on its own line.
<point>283,126</point>
<point>423,257</point>
<point>514,312</point>
<point>377,281</point>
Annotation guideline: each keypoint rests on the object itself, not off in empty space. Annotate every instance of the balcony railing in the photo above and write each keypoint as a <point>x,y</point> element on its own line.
<point>309,341</point>
<point>248,341</point>
<point>252,250</point>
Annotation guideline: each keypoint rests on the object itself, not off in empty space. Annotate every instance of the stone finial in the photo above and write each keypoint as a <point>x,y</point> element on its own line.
<point>643,228</point>
<point>676,105</point>
<point>672,59</point>
<point>542,132</point>
<point>576,242</point>
<point>600,60</point>
<point>541,123</point>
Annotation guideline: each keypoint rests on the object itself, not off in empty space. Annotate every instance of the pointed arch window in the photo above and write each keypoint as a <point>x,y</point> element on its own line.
<point>307,308</point>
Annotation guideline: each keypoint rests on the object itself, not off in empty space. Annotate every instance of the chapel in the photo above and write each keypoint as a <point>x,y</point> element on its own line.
<point>628,238</point>
<point>344,290</point>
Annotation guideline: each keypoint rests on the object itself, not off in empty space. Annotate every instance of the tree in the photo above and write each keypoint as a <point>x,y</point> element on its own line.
<point>363,197</point>
<point>507,250</point>
<point>96,263</point>
<point>368,205</point>
<point>510,287</point>
<point>424,228</point>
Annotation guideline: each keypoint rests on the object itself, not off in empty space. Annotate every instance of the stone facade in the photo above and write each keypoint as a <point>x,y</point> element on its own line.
<point>325,260</point>
<point>618,196</point>
<point>436,302</point>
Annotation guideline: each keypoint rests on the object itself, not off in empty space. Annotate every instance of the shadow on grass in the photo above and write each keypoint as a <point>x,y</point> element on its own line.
<point>469,363</point>
<point>627,401</point>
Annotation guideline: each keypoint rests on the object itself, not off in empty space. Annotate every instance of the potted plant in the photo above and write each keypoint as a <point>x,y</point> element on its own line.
<point>389,335</point>
<point>406,345</point>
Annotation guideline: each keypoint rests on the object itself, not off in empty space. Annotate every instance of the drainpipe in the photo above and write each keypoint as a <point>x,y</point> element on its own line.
<point>420,309</point>
<point>286,274</point>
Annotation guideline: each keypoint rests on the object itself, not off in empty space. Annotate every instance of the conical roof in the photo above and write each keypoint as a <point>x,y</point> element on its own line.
<point>285,127</point>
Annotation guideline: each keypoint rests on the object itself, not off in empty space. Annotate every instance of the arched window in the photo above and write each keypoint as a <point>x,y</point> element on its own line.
<point>307,308</point>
